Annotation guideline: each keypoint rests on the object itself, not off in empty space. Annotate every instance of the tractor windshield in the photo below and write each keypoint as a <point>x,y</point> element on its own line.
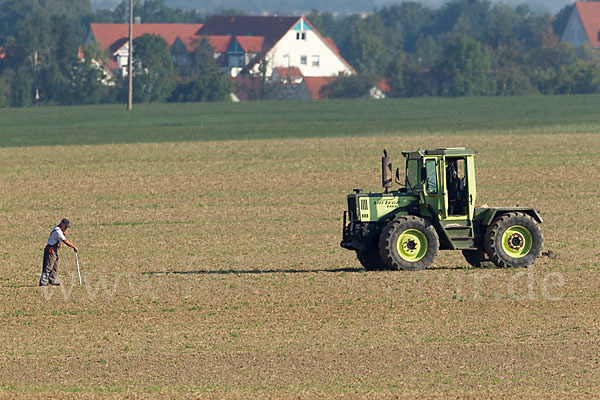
<point>412,174</point>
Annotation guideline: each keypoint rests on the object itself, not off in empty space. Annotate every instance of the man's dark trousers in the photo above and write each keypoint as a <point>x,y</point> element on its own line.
<point>50,265</point>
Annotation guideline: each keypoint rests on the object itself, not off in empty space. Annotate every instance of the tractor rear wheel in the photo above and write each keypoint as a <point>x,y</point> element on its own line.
<point>370,259</point>
<point>409,243</point>
<point>514,240</point>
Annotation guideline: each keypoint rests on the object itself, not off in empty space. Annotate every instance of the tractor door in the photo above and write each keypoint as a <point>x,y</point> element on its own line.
<point>459,191</point>
<point>432,188</point>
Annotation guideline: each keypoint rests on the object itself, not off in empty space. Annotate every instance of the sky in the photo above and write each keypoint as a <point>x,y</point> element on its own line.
<point>552,6</point>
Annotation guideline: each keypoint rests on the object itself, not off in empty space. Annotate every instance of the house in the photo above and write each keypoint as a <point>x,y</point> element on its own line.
<point>242,44</point>
<point>113,39</point>
<point>259,45</point>
<point>583,26</point>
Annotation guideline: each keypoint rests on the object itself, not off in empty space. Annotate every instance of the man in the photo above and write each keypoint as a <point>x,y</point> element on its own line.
<point>50,265</point>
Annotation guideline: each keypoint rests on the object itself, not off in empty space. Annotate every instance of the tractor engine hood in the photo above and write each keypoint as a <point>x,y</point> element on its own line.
<point>374,207</point>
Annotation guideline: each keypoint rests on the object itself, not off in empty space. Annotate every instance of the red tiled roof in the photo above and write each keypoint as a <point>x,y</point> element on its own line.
<point>114,36</point>
<point>219,43</point>
<point>270,28</point>
<point>314,85</point>
<point>590,16</point>
<point>251,44</point>
<point>288,72</point>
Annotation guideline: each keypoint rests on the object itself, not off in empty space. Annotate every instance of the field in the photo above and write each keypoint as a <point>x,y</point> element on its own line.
<point>209,245</point>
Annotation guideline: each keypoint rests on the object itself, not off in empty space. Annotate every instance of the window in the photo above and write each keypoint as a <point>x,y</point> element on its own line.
<point>431,172</point>
<point>315,61</point>
<point>302,60</point>
<point>303,35</point>
<point>412,174</point>
<point>297,35</point>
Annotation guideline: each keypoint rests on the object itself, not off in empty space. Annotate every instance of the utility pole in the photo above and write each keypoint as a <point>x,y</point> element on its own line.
<point>130,66</point>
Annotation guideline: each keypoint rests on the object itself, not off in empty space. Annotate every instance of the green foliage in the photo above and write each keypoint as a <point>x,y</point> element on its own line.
<point>150,11</point>
<point>202,79</point>
<point>464,69</point>
<point>6,77</point>
<point>407,20</point>
<point>21,90</point>
<point>510,75</point>
<point>559,21</point>
<point>369,47</point>
<point>395,76</point>
<point>14,11</point>
<point>349,87</point>
<point>153,69</point>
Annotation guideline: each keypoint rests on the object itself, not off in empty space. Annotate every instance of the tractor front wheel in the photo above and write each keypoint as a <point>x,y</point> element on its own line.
<point>409,243</point>
<point>370,259</point>
<point>514,240</point>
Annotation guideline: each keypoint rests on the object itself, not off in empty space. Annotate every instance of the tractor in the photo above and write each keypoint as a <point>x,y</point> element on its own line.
<point>434,209</point>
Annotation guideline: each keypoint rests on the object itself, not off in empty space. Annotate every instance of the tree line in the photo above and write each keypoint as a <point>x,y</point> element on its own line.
<point>464,48</point>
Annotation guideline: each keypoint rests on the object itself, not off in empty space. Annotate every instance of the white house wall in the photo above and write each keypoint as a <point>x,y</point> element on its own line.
<point>289,51</point>
<point>574,32</point>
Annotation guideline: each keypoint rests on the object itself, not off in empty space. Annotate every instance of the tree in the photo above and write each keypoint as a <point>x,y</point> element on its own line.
<point>6,77</point>
<point>153,69</point>
<point>324,22</point>
<point>510,75</point>
<point>464,68</point>
<point>503,22</point>
<point>463,17</point>
<point>348,87</point>
<point>14,11</point>
<point>407,20</point>
<point>369,46</point>
<point>559,21</point>
<point>21,90</point>
<point>395,76</point>
<point>150,11</point>
<point>429,52</point>
<point>202,79</point>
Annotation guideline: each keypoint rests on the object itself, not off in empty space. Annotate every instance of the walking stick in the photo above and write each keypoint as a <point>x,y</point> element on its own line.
<point>78,271</point>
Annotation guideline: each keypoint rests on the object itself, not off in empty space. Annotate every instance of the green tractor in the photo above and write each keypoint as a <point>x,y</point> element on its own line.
<point>435,210</point>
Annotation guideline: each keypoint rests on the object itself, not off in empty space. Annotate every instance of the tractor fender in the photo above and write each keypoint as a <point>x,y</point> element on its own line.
<point>445,241</point>
<point>490,214</point>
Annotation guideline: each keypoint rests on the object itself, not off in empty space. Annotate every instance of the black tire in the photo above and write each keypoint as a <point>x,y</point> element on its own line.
<point>477,258</point>
<point>526,239</point>
<point>389,240</point>
<point>370,259</point>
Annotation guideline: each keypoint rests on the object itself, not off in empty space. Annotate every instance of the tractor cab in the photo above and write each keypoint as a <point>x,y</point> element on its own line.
<point>446,180</point>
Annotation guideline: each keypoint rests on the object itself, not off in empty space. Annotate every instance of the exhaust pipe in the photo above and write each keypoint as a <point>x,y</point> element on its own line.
<point>386,172</point>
